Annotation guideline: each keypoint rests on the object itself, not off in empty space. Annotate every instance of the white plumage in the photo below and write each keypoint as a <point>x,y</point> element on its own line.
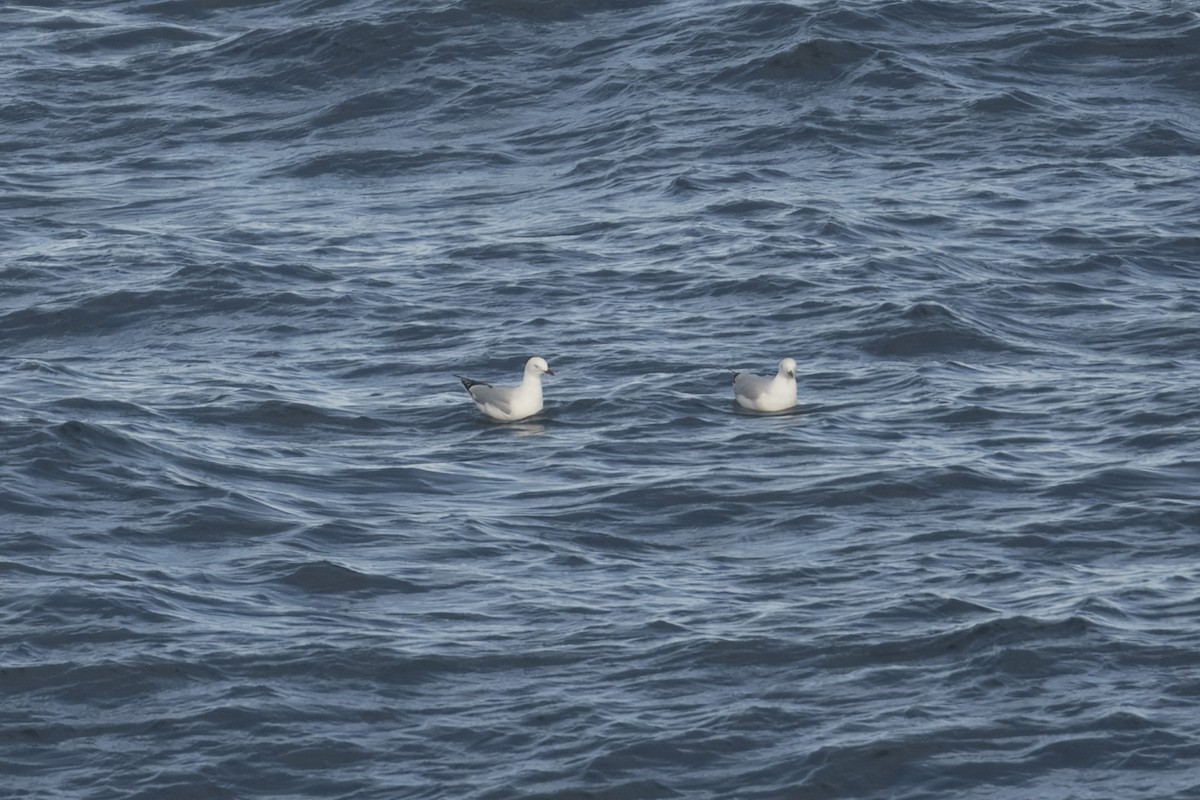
<point>758,393</point>
<point>511,403</point>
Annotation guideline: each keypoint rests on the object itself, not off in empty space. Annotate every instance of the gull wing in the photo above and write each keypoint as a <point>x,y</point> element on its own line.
<point>750,386</point>
<point>497,397</point>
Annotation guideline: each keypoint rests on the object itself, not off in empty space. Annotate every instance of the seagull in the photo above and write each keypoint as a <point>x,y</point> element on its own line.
<point>767,394</point>
<point>510,403</point>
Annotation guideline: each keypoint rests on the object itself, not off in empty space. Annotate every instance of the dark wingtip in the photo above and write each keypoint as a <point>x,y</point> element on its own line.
<point>468,383</point>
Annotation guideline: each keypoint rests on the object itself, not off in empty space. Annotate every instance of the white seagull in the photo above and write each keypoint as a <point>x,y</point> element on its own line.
<point>510,403</point>
<point>776,393</point>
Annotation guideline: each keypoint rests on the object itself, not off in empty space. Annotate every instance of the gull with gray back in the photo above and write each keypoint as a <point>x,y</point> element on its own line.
<point>510,403</point>
<point>775,393</point>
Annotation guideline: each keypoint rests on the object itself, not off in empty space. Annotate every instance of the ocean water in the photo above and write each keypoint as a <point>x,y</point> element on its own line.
<point>256,542</point>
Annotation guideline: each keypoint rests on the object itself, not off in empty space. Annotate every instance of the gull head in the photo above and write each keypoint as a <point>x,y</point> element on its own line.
<point>788,367</point>
<point>537,366</point>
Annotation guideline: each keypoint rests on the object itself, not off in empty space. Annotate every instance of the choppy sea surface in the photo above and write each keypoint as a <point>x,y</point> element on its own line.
<point>255,541</point>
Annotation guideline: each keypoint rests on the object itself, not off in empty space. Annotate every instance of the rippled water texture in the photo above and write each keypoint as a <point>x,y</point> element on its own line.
<point>256,542</point>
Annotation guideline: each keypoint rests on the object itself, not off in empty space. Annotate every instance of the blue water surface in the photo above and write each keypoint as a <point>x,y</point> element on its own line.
<point>255,541</point>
